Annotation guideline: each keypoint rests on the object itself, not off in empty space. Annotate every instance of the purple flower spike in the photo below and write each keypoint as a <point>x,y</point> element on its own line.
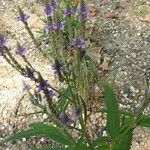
<point>43,85</point>
<point>23,18</point>
<point>52,93</point>
<point>69,12</point>
<point>21,51</point>
<point>78,112</point>
<point>49,10</point>
<point>62,26</point>
<point>47,27</point>
<point>3,40</point>
<point>55,25</point>
<point>65,119</point>
<point>2,52</point>
<point>83,12</point>
<point>58,67</point>
<point>58,25</point>
<point>54,3</point>
<point>30,73</point>
<point>79,43</point>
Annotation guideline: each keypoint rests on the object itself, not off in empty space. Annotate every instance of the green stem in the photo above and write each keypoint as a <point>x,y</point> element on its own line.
<point>85,134</point>
<point>70,88</point>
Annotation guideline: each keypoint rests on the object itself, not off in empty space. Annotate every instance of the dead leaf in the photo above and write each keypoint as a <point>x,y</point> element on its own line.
<point>104,65</point>
<point>111,15</point>
<point>146,19</point>
<point>37,24</point>
<point>93,11</point>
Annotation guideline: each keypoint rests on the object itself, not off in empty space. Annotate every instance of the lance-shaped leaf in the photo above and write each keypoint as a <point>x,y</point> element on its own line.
<point>100,141</point>
<point>40,129</point>
<point>144,121</point>
<point>125,141</point>
<point>81,144</point>
<point>63,102</point>
<point>113,119</point>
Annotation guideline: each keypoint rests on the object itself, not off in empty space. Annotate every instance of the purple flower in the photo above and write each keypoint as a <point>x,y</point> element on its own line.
<point>83,12</point>
<point>58,67</point>
<point>43,85</point>
<point>23,18</point>
<point>79,43</point>
<point>58,25</point>
<point>55,25</point>
<point>21,51</point>
<point>2,52</point>
<point>3,40</point>
<point>77,112</point>
<point>54,3</point>
<point>65,119</point>
<point>52,93</point>
<point>62,26</point>
<point>69,12</point>
<point>30,73</point>
<point>47,27</point>
<point>49,10</point>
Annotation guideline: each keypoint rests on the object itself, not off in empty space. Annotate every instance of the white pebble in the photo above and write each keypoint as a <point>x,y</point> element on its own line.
<point>42,139</point>
<point>104,133</point>
<point>45,116</point>
<point>24,140</point>
<point>132,88</point>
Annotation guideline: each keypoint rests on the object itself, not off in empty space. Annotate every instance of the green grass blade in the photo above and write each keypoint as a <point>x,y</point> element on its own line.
<point>144,121</point>
<point>125,141</point>
<point>113,120</point>
<point>100,141</point>
<point>40,129</point>
<point>81,144</point>
<point>63,102</point>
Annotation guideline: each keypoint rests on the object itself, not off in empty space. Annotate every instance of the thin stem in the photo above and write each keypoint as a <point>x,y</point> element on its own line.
<point>85,134</point>
<point>38,112</point>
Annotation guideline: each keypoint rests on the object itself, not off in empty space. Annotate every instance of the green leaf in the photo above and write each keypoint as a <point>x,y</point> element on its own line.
<point>125,141</point>
<point>113,120</point>
<point>81,144</point>
<point>40,129</point>
<point>126,134</point>
<point>100,141</point>
<point>144,121</point>
<point>63,101</point>
<point>127,122</point>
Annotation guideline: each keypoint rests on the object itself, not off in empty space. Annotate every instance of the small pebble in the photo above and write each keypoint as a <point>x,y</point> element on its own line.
<point>24,140</point>
<point>45,116</point>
